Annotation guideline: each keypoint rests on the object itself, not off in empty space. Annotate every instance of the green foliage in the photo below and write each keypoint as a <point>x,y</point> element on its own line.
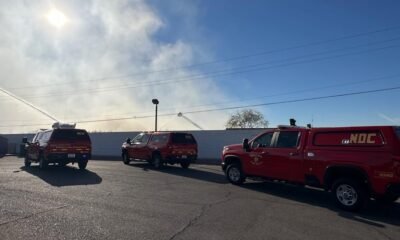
<point>247,118</point>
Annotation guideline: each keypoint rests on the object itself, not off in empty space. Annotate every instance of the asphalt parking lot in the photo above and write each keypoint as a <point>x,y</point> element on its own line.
<point>114,201</point>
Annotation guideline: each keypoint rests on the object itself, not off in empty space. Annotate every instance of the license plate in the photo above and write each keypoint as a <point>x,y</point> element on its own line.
<point>184,156</point>
<point>71,155</point>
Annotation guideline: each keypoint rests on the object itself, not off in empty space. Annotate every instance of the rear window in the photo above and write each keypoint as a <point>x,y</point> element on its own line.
<point>356,138</point>
<point>70,134</point>
<point>183,138</point>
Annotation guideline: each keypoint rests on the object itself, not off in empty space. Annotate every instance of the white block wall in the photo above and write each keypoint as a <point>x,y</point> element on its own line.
<point>210,142</point>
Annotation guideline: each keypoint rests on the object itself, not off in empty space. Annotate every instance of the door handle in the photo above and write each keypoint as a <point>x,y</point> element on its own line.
<point>265,153</point>
<point>293,154</point>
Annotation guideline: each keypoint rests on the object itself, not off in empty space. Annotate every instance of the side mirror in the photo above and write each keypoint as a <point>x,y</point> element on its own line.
<point>128,141</point>
<point>246,145</point>
<point>25,140</point>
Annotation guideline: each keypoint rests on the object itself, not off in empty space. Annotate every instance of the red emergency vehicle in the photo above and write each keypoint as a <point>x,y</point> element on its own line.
<point>159,148</point>
<point>354,163</point>
<point>62,145</point>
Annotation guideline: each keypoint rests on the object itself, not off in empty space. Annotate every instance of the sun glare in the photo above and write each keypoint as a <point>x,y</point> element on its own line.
<point>56,18</point>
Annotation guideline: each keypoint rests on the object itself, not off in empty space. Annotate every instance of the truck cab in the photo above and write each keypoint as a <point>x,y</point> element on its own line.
<point>276,153</point>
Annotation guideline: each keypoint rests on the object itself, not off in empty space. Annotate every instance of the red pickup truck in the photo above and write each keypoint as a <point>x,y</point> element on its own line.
<point>354,163</point>
<point>159,148</point>
<point>62,145</point>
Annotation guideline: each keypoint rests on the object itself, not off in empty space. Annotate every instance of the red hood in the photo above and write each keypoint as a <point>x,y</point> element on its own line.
<point>234,146</point>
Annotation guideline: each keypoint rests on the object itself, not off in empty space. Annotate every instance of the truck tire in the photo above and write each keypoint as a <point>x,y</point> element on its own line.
<point>42,162</point>
<point>82,164</point>
<point>157,161</point>
<point>125,158</point>
<point>349,194</point>
<point>234,174</point>
<point>185,165</point>
<point>27,162</point>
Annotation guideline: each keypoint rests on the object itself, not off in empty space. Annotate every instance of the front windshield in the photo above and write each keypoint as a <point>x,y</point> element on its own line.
<point>138,137</point>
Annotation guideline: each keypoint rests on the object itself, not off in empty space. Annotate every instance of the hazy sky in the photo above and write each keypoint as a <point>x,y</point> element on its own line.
<point>93,60</point>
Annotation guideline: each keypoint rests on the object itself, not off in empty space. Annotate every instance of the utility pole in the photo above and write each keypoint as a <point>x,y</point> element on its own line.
<point>155,102</point>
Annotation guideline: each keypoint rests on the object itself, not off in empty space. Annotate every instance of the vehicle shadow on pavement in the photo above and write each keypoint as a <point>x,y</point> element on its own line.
<point>193,173</point>
<point>374,214</point>
<point>64,176</point>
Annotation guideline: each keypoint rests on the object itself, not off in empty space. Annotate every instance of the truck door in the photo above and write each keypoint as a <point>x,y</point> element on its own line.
<point>133,147</point>
<point>34,148</point>
<point>140,148</point>
<point>255,161</point>
<point>284,159</point>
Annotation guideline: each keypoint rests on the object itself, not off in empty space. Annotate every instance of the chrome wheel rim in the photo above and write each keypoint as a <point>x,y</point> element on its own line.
<point>346,195</point>
<point>234,174</point>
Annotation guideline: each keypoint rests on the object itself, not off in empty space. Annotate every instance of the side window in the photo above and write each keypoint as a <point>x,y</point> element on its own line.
<point>46,137</point>
<point>263,141</point>
<point>145,138</point>
<point>38,137</point>
<point>288,139</point>
<point>159,138</point>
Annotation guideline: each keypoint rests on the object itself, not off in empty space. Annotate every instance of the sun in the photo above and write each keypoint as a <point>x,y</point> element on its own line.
<point>56,18</point>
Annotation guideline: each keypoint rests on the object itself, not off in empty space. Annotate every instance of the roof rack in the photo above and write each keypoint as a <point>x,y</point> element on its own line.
<point>58,125</point>
<point>288,126</point>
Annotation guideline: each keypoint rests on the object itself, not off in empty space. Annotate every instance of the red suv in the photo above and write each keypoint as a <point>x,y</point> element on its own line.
<point>354,163</point>
<point>161,148</point>
<point>62,145</point>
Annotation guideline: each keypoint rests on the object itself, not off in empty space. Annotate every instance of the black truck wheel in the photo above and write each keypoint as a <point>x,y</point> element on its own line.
<point>349,194</point>
<point>42,162</point>
<point>82,164</point>
<point>125,158</point>
<point>185,165</point>
<point>27,162</point>
<point>157,161</point>
<point>234,174</point>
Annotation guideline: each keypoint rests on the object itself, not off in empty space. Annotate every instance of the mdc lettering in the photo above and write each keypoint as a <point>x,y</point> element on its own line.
<point>360,138</point>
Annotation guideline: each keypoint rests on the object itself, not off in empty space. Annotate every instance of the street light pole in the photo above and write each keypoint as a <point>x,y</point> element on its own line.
<point>155,102</point>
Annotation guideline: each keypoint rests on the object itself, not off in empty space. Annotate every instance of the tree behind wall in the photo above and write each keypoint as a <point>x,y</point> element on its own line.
<point>247,118</point>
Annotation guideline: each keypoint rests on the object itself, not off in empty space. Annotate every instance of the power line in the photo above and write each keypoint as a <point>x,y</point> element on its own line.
<point>250,68</point>
<point>279,94</point>
<point>238,107</point>
<point>23,101</point>
<point>316,43</point>
<point>298,100</point>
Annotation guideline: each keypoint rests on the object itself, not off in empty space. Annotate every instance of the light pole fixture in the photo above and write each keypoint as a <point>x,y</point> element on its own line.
<point>155,102</point>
